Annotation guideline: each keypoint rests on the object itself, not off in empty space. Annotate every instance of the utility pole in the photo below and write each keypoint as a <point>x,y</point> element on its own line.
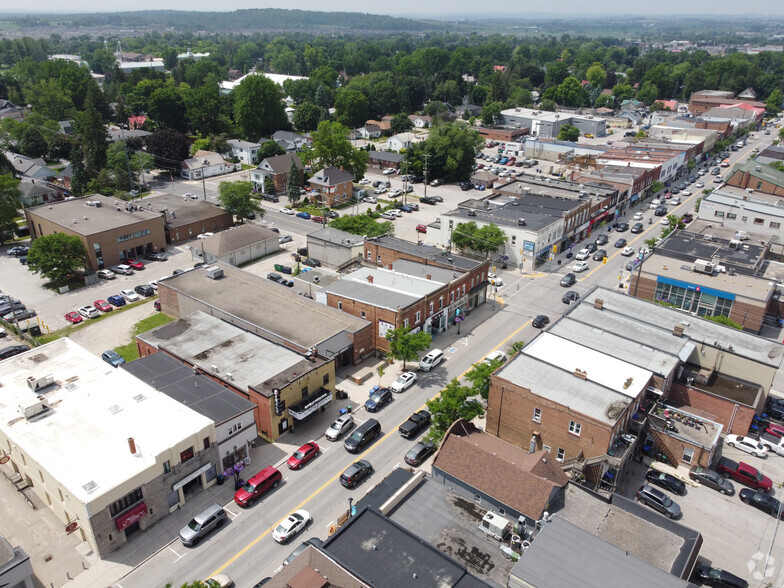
<point>203,183</point>
<point>405,183</point>
<point>426,156</point>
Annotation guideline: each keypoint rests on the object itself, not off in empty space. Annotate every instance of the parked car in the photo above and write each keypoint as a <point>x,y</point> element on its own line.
<point>160,256</point>
<point>303,214</point>
<point>620,243</point>
<point>628,251</point>
<point>116,300</point>
<point>495,356</point>
<point>580,266</point>
<point>112,358</point>
<point>495,279</point>
<point>18,250</point>
<point>658,500</point>
<point>421,228</point>
<point>370,199</point>
<point>355,473</point>
<point>291,526</point>
<point>12,350</point>
<point>130,295</point>
<point>380,190</point>
<point>136,264</point>
<point>303,455</point>
<point>419,453</point>
<point>103,306</point>
<point>745,474</point>
<point>89,312</point>
<point>204,235</point>
<point>288,211</point>
<point>144,290</point>
<point>666,481</point>
<point>568,279</point>
<point>747,444</point>
<point>388,215</point>
<point>637,216</point>
<point>123,269</point>
<point>267,479</point>
<point>687,217</point>
<point>389,171</point>
<point>73,317</point>
<point>428,200</point>
<point>339,427</point>
<point>378,399</point>
<point>314,541</point>
<point>764,502</point>
<point>718,578</point>
<point>404,382</point>
<point>582,254</point>
<point>312,262</point>
<point>203,523</point>
<point>317,219</point>
<point>415,423</point>
<point>540,321</point>
<point>602,240</point>
<point>284,239</point>
<point>660,211</point>
<point>712,479</point>
<point>591,247</point>
<point>106,274</point>
<point>570,297</point>
<point>437,182</point>
<point>599,254</point>
<point>622,227</point>
<point>331,214</point>
<point>219,581</point>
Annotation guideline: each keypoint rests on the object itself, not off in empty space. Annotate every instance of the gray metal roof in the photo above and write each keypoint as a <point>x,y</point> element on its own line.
<point>563,554</point>
<point>386,156</point>
<point>196,391</point>
<point>105,218</point>
<point>371,294</point>
<point>654,316</point>
<point>336,237</point>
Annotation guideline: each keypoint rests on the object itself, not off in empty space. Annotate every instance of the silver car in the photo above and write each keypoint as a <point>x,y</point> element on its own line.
<point>658,500</point>
<point>342,424</point>
<point>210,518</point>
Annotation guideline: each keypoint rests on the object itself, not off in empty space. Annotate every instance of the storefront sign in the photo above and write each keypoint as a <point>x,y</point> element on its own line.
<point>131,516</point>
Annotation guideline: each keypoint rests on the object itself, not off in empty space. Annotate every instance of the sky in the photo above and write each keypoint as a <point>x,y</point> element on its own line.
<point>433,8</point>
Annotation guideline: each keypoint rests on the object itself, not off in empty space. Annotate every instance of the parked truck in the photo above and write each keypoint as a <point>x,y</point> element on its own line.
<point>745,474</point>
<point>415,423</point>
<point>772,443</point>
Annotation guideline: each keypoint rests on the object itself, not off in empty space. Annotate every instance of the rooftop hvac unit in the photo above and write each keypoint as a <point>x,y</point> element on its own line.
<point>38,384</point>
<point>520,222</point>
<point>33,407</point>
<point>471,213</point>
<point>214,273</point>
<point>495,526</point>
<point>704,267</point>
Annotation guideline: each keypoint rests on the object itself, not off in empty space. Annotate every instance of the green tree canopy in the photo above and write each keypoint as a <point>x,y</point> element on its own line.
<point>451,149</point>
<point>568,133</point>
<point>401,123</point>
<point>596,75</point>
<point>258,107</point>
<point>405,345</point>
<point>237,198</point>
<point>57,257</point>
<point>169,147</point>
<point>453,403</point>
<point>307,116</point>
<point>774,102</point>
<point>9,206</point>
<point>463,235</point>
<point>269,149</point>
<point>491,113</point>
<point>293,183</point>
<point>479,377</point>
<point>351,108</point>
<point>332,148</point>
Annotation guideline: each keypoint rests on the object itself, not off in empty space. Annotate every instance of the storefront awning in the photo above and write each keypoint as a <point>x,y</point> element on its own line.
<point>311,404</point>
<point>130,516</point>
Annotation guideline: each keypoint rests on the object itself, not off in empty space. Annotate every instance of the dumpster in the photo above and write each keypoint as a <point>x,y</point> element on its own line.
<point>278,267</point>
<point>284,269</point>
<point>35,331</point>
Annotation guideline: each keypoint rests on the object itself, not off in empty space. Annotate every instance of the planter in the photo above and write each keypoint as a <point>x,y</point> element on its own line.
<point>220,479</point>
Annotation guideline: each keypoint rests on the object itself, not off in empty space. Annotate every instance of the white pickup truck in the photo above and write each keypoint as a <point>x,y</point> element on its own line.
<point>772,443</point>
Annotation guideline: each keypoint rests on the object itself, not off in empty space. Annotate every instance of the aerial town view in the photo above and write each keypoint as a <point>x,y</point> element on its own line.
<point>390,296</point>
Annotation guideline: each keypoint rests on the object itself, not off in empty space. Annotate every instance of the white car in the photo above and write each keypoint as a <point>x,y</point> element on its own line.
<point>665,222</point>
<point>130,295</point>
<point>495,279</point>
<point>289,211</point>
<point>191,196</point>
<point>364,182</point>
<point>403,382</point>
<point>655,203</point>
<point>747,444</point>
<point>717,179</point>
<point>380,190</point>
<point>686,192</point>
<point>580,266</point>
<point>495,356</point>
<point>699,185</point>
<point>637,216</point>
<point>388,215</point>
<point>89,312</point>
<point>106,274</point>
<point>204,235</point>
<point>675,201</point>
<point>291,525</point>
<point>341,424</point>
<point>219,581</point>
<point>153,285</point>
<point>370,199</point>
<point>396,193</point>
<point>628,251</point>
<point>582,254</point>
<point>389,171</point>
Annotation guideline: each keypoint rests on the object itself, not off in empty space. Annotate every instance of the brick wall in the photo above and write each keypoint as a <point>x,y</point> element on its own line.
<point>721,410</point>
<point>510,411</point>
<point>180,233</point>
<point>363,343</point>
<point>170,302</point>
<point>745,180</point>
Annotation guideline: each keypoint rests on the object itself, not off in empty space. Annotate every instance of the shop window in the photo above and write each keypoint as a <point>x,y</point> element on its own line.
<point>186,455</point>
<point>206,442</point>
<point>166,466</point>
<point>537,415</point>
<point>325,379</point>
<point>759,221</point>
<point>418,318</point>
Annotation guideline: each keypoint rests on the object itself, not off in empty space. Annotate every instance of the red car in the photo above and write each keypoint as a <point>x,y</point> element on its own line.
<point>103,306</point>
<point>136,264</point>
<point>317,219</point>
<point>421,228</point>
<point>303,455</point>
<point>73,317</point>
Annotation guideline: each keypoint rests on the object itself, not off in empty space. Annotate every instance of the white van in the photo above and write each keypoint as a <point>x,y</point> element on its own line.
<point>431,360</point>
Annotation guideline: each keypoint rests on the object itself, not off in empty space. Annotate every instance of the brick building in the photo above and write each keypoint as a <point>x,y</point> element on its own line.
<point>757,177</point>
<point>112,231</point>
<point>335,186</point>
<point>184,218</point>
<point>249,366</point>
<point>704,100</point>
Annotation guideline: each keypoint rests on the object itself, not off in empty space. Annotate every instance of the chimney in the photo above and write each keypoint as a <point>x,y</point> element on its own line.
<point>677,330</point>
<point>370,279</point>
<point>132,445</point>
<point>390,267</point>
<point>582,374</point>
<point>598,304</point>
<point>428,277</point>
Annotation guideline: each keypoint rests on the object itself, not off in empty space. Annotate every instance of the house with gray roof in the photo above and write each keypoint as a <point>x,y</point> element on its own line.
<point>245,151</point>
<point>35,193</point>
<point>334,185</point>
<point>384,159</point>
<point>290,141</point>
<point>277,168</point>
<point>26,167</point>
<point>237,245</point>
<point>206,164</point>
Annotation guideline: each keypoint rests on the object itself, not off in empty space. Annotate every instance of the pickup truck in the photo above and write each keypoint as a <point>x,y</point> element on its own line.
<point>415,423</point>
<point>772,443</point>
<point>745,474</point>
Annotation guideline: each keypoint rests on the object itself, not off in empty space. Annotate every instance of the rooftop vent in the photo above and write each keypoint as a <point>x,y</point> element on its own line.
<point>38,384</point>
<point>582,374</point>
<point>598,304</point>
<point>677,330</point>
<point>471,213</point>
<point>214,273</point>
<point>520,222</point>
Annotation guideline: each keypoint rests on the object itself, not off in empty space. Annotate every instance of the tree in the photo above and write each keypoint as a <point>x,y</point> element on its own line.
<point>596,75</point>
<point>351,108</point>
<point>515,347</point>
<point>56,257</point>
<point>307,116</point>
<point>33,143</point>
<point>269,185</point>
<point>648,93</point>
<point>167,108</point>
<point>623,92</point>
<point>169,55</point>
<point>90,133</point>
<point>479,377</point>
<point>9,206</point>
<point>568,133</point>
<point>332,148</point>
<point>488,239</point>
<point>269,149</point>
<point>258,107</point>
<point>405,345</point>
<point>293,184</point>
<point>169,147</point>
<point>604,101</point>
<point>463,235</point>
<point>362,225</point>
<point>400,123</point>
<point>491,113</point>
<point>237,198</point>
<point>774,101</point>
<point>453,403</point>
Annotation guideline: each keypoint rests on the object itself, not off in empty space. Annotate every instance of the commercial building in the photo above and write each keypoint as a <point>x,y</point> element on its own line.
<point>16,570</point>
<point>112,231</point>
<point>266,308</point>
<point>237,245</point>
<point>186,217</point>
<point>285,387</point>
<point>334,248</point>
<point>704,100</point>
<point>755,176</point>
<point>333,186</point>
<point>746,210</point>
<point>108,454</point>
<point>548,124</point>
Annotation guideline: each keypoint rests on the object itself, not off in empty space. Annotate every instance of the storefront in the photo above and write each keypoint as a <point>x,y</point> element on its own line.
<point>128,521</point>
<point>693,298</point>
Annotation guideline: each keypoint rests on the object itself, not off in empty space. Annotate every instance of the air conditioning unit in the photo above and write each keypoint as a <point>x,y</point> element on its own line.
<point>33,407</point>
<point>214,273</point>
<point>36,384</point>
<point>471,213</point>
<point>520,222</point>
<point>704,267</point>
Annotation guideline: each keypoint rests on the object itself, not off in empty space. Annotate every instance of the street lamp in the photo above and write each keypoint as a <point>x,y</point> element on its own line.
<point>350,508</point>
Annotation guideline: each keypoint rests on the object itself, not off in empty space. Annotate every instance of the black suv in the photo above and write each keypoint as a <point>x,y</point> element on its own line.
<point>355,473</point>
<point>144,290</point>
<point>660,211</point>
<point>428,200</point>
<point>599,254</point>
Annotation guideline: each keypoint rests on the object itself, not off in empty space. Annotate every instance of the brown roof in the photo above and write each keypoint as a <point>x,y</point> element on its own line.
<point>383,125</point>
<point>521,480</point>
<point>314,559</point>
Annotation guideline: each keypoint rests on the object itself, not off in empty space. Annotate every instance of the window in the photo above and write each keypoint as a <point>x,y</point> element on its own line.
<point>731,216</point>
<point>340,305</point>
<point>305,392</point>
<point>325,379</point>
<point>744,219</point>
<point>166,466</point>
<point>405,322</point>
<point>537,415</point>
<point>369,256</point>
<point>719,213</point>
<point>574,428</point>
<point>514,239</point>
<point>688,454</point>
<point>759,185</point>
<point>759,221</point>
<point>440,302</point>
<point>560,454</point>
<point>362,314</point>
<point>418,316</point>
<point>452,297</point>
<point>431,308</point>
<point>206,442</point>
<point>775,225</point>
<point>378,258</point>
<point>126,502</point>
<point>472,283</point>
<point>186,455</point>
<point>463,289</point>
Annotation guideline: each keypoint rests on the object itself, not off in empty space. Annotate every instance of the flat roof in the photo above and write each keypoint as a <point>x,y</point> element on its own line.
<point>261,303</point>
<point>693,243</point>
<point>739,198</point>
<point>563,387</point>
<point>179,210</point>
<point>563,554</point>
<point>206,341</point>
<point>426,272</point>
<point>112,214</point>
<point>620,376</point>
<point>336,236</point>
<point>427,252</point>
<point>94,410</point>
<point>507,216</point>
<point>371,294</point>
<point>396,281</point>
<point>696,329</point>
<point>177,380</point>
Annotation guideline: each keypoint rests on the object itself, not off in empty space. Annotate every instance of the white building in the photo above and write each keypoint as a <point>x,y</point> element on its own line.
<point>743,210</point>
<point>245,151</point>
<point>107,453</point>
<point>547,125</point>
<point>400,141</point>
<point>227,86</point>
<point>205,164</point>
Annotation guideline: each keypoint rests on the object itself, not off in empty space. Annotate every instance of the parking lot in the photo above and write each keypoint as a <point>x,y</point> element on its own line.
<point>737,537</point>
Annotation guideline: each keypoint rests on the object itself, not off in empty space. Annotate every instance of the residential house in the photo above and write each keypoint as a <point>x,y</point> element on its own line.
<point>385,159</point>
<point>206,164</point>
<point>245,151</point>
<point>400,141</point>
<point>290,141</point>
<point>471,109</point>
<point>420,121</point>
<point>335,186</point>
<point>277,168</point>
<point>116,134</point>
<point>10,110</point>
<point>66,127</point>
<point>385,124</point>
<point>35,193</point>
<point>369,131</point>
<point>136,122</point>
<point>63,178</point>
<point>26,167</point>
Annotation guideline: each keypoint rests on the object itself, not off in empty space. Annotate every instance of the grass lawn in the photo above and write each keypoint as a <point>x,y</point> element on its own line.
<point>129,351</point>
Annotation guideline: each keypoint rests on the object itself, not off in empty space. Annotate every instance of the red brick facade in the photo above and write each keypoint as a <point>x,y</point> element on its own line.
<point>735,417</point>
<point>747,180</point>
